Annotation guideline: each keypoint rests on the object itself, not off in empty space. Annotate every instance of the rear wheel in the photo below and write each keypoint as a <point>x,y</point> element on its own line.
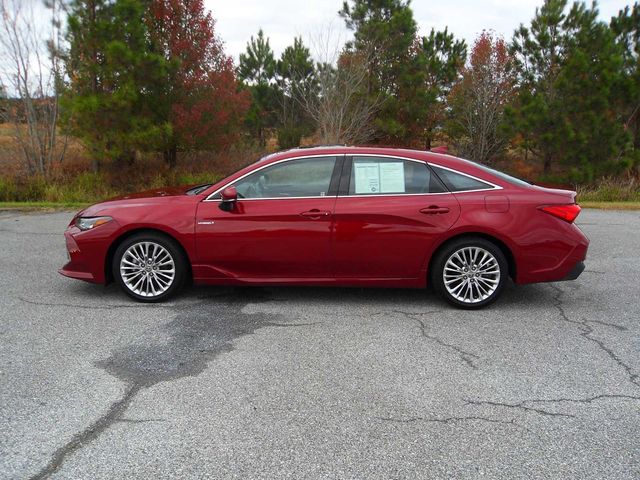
<point>470,272</point>
<point>149,267</point>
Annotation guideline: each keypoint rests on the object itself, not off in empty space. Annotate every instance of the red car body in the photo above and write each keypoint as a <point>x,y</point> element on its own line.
<point>385,240</point>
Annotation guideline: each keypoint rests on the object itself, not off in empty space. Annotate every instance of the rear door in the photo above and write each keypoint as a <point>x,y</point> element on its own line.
<point>388,213</point>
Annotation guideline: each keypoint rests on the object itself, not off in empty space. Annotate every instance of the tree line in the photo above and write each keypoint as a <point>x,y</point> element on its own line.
<point>133,77</point>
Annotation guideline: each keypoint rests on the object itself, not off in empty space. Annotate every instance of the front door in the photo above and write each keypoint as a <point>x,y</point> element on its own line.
<point>280,227</point>
<point>387,216</point>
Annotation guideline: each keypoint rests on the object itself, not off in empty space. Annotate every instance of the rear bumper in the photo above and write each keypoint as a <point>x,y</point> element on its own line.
<point>561,264</point>
<point>575,272</point>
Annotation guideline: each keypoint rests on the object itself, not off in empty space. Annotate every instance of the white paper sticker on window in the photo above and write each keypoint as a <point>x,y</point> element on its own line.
<point>392,177</point>
<point>367,176</point>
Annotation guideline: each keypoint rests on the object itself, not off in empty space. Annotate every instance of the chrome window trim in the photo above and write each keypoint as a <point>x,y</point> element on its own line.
<point>209,199</point>
<point>378,155</point>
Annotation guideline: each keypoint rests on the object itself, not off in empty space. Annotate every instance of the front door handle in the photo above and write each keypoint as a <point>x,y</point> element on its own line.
<point>434,210</point>
<point>315,214</point>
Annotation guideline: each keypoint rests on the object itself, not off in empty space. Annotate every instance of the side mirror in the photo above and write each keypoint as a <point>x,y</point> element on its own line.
<point>229,198</point>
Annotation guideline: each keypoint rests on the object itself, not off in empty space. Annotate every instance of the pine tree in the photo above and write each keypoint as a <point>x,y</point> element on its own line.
<point>257,70</point>
<point>626,27</point>
<point>568,65</point>
<point>295,83</point>
<point>444,58</point>
<point>384,33</point>
<point>110,70</point>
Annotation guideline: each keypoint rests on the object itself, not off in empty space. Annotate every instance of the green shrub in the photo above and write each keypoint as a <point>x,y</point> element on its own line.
<point>8,190</point>
<point>196,178</point>
<point>289,137</point>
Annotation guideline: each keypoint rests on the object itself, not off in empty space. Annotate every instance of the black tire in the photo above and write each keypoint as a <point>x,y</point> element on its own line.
<point>480,245</point>
<point>174,251</point>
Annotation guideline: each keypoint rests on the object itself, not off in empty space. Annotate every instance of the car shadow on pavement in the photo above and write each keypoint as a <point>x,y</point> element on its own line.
<point>514,296</point>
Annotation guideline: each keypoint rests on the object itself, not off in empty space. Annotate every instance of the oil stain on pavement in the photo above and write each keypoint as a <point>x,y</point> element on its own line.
<point>198,333</point>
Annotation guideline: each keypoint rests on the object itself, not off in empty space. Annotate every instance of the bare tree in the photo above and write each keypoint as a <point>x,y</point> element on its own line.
<point>339,104</point>
<point>29,74</point>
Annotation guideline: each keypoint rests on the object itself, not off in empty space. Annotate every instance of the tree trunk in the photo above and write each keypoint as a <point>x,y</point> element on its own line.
<point>427,142</point>
<point>171,156</point>
<point>547,163</point>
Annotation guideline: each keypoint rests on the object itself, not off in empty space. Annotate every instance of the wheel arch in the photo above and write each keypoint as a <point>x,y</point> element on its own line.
<point>504,248</point>
<point>108,274</point>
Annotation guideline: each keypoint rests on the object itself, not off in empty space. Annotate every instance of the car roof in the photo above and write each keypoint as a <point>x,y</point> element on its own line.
<point>424,155</point>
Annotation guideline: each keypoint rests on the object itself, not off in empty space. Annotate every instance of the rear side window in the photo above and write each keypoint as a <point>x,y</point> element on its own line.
<point>389,176</point>
<point>457,182</point>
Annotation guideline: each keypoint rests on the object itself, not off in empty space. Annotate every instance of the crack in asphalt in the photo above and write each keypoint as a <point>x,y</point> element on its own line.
<point>586,331</point>
<point>196,336</point>
<point>4,230</point>
<point>140,420</point>
<point>89,434</point>
<point>523,405</point>
<point>95,307</point>
<point>446,420</point>
<point>467,357</point>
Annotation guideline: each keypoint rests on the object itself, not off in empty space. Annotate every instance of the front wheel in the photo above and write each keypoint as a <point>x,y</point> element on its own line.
<point>149,267</point>
<point>470,273</point>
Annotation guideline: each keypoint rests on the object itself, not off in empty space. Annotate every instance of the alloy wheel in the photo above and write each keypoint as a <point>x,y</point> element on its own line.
<point>147,269</point>
<point>471,275</point>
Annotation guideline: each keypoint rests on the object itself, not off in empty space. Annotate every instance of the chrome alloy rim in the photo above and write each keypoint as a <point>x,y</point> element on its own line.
<point>147,269</point>
<point>471,274</point>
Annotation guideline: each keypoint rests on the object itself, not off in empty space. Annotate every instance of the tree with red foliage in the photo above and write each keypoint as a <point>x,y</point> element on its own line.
<point>478,101</point>
<point>200,101</point>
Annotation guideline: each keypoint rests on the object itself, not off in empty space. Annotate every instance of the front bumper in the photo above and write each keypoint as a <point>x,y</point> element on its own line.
<point>88,252</point>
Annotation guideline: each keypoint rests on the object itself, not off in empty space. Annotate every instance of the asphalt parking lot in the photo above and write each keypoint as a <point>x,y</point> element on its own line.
<point>318,383</point>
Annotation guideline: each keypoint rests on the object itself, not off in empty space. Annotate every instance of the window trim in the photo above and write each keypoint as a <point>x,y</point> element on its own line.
<point>336,157</point>
<point>348,160</point>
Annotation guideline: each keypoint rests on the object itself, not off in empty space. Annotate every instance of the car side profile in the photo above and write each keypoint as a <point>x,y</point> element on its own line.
<point>335,216</point>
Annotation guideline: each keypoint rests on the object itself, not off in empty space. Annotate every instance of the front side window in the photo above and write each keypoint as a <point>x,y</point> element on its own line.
<point>389,176</point>
<point>457,182</point>
<point>306,177</point>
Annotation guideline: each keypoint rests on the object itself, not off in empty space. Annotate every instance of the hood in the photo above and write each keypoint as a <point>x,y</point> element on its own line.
<point>140,199</point>
<point>156,192</point>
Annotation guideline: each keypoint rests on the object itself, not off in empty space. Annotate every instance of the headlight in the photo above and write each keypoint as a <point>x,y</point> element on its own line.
<point>87,223</point>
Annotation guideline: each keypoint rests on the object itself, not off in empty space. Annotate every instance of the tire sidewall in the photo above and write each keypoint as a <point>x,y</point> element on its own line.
<point>437,280</point>
<point>173,249</point>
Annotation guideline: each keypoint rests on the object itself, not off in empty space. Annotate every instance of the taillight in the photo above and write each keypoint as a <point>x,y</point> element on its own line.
<point>568,213</point>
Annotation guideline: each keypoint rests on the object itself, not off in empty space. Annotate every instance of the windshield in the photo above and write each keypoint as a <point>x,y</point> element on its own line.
<point>198,189</point>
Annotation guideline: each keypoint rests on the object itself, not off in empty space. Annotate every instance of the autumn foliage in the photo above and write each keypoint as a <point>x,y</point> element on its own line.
<point>201,98</point>
<point>479,99</point>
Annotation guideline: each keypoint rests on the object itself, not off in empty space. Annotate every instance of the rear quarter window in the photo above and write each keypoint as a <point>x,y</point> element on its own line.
<point>458,182</point>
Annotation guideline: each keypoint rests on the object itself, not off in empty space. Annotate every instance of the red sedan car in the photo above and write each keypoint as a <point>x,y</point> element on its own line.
<point>348,216</point>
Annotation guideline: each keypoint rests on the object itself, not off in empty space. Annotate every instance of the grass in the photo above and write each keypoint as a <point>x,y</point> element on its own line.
<point>611,205</point>
<point>36,206</point>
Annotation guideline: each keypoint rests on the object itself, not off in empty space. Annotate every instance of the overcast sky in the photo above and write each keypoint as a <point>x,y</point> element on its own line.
<point>282,20</point>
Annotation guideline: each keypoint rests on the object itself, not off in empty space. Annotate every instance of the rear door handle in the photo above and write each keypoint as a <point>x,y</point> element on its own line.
<point>434,210</point>
<point>315,213</point>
